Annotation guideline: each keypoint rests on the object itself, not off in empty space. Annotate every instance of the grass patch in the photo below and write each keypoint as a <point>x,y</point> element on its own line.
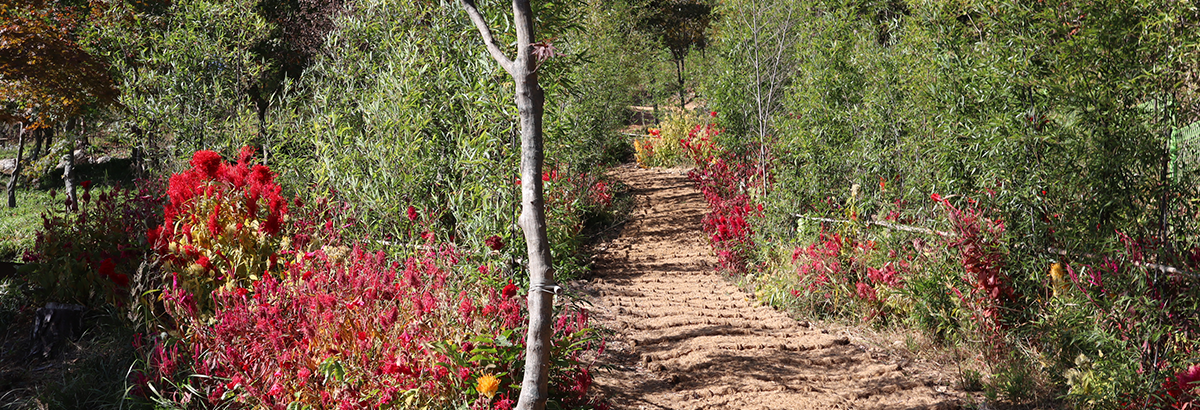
<point>18,226</point>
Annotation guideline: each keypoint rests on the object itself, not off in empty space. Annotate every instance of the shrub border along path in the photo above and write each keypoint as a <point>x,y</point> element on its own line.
<point>687,338</point>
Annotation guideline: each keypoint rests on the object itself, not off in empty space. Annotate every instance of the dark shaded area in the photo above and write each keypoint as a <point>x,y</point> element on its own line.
<point>53,325</point>
<point>114,170</point>
<point>300,27</point>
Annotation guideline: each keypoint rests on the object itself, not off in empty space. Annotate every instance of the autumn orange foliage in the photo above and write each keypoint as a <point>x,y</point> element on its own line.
<point>44,73</point>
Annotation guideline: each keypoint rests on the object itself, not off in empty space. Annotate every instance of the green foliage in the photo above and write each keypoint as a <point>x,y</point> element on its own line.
<point>18,225</point>
<point>185,69</point>
<point>411,111</point>
<point>679,26</point>
<point>1001,104</point>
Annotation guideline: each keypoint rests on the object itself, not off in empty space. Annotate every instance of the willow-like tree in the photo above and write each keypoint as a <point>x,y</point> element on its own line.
<point>530,100</point>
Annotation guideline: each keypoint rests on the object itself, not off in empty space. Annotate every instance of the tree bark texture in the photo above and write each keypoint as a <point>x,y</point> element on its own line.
<point>69,180</point>
<point>12,181</point>
<point>530,101</point>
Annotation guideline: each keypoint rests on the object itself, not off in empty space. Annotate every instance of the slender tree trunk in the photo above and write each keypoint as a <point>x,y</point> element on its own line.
<point>37,146</point>
<point>679,73</point>
<point>534,388</point>
<point>69,180</point>
<point>530,101</point>
<point>12,181</point>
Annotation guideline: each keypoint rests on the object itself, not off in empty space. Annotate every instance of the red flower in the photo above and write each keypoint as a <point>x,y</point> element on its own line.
<point>245,154</point>
<point>412,213</point>
<point>121,279</point>
<point>509,291</point>
<point>107,266</point>
<point>494,242</point>
<point>207,162</point>
<point>87,184</point>
<point>465,305</point>
<point>1187,379</point>
<point>504,404</point>
<point>213,225</point>
<point>936,198</point>
<point>865,291</point>
<point>713,114</point>
<point>261,176</point>
<point>275,390</point>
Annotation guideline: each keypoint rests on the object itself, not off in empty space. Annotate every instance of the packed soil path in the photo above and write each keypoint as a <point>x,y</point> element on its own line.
<point>687,338</point>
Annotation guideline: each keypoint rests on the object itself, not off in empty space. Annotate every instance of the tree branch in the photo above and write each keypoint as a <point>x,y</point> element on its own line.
<point>481,24</point>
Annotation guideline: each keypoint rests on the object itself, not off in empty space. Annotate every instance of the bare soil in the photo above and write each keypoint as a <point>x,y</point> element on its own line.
<point>688,338</point>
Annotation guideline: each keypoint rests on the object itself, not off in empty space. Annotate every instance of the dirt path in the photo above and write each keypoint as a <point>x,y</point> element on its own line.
<point>688,339</point>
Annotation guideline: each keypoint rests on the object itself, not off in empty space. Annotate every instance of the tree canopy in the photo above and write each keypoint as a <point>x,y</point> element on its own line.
<point>45,75</point>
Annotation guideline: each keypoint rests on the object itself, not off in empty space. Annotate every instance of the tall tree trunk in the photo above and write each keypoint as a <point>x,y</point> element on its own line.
<point>530,101</point>
<point>679,73</point>
<point>12,181</point>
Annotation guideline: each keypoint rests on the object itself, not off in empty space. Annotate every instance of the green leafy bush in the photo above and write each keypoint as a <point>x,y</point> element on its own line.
<point>1070,162</point>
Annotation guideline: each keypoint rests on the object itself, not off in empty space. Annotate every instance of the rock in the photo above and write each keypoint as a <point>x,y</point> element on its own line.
<point>52,325</point>
<point>81,158</point>
<point>8,165</point>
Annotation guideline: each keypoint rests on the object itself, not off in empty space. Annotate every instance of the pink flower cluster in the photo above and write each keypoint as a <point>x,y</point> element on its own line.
<point>360,332</point>
<point>887,276</point>
<point>350,335</point>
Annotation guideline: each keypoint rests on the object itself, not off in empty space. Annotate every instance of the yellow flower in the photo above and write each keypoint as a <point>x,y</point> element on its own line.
<point>487,385</point>
<point>1057,278</point>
